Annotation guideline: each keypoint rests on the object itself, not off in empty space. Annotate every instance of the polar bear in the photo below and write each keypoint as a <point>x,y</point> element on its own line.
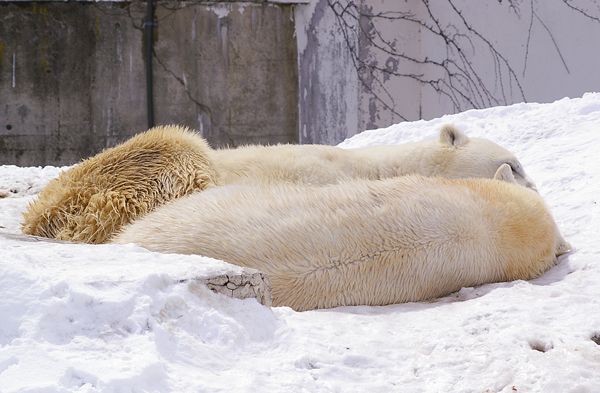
<point>363,242</point>
<point>90,201</point>
<point>454,155</point>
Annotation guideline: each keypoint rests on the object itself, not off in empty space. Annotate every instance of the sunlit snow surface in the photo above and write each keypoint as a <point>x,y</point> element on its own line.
<point>83,318</point>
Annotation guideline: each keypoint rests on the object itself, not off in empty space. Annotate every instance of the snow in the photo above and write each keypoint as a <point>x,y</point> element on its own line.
<point>85,318</point>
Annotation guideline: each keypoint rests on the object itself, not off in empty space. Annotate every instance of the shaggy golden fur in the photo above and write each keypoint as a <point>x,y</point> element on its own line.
<point>91,201</point>
<point>363,242</point>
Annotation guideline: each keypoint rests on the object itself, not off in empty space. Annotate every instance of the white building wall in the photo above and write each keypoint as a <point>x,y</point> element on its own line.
<point>372,63</point>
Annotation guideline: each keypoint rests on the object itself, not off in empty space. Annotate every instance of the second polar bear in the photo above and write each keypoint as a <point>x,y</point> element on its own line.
<point>454,155</point>
<point>363,242</point>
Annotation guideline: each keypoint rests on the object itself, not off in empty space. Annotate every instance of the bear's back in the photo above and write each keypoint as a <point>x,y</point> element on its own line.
<point>362,242</point>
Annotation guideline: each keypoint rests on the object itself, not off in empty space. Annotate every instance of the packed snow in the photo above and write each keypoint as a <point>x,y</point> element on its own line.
<point>108,318</point>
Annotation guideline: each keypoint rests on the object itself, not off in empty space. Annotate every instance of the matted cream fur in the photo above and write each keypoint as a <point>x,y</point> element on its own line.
<point>363,242</point>
<point>91,201</point>
<point>454,155</point>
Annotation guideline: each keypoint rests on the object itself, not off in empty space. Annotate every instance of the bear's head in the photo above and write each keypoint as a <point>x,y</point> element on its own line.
<point>477,158</point>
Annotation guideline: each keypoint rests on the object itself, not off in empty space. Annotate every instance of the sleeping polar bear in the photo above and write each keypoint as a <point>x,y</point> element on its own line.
<point>363,242</point>
<point>91,201</point>
<point>454,155</point>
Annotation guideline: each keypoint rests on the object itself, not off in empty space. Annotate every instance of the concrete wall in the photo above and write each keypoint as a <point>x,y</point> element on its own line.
<point>72,75</point>
<point>328,82</point>
<point>228,70</point>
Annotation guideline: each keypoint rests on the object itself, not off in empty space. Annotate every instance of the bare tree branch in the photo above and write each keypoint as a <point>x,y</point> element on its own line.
<point>567,3</point>
<point>458,79</point>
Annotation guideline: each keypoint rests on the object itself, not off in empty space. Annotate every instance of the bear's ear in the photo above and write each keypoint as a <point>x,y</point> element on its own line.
<point>505,173</point>
<point>452,136</point>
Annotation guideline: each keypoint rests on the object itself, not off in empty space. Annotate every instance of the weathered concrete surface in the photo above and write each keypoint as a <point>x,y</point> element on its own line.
<point>327,78</point>
<point>72,75</point>
<point>250,284</point>
<point>237,80</point>
<point>71,80</point>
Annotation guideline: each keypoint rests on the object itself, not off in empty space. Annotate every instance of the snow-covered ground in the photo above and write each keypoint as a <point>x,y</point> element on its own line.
<point>84,318</point>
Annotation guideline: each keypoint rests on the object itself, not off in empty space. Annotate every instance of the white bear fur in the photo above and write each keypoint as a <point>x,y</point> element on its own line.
<point>363,242</point>
<point>454,155</point>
